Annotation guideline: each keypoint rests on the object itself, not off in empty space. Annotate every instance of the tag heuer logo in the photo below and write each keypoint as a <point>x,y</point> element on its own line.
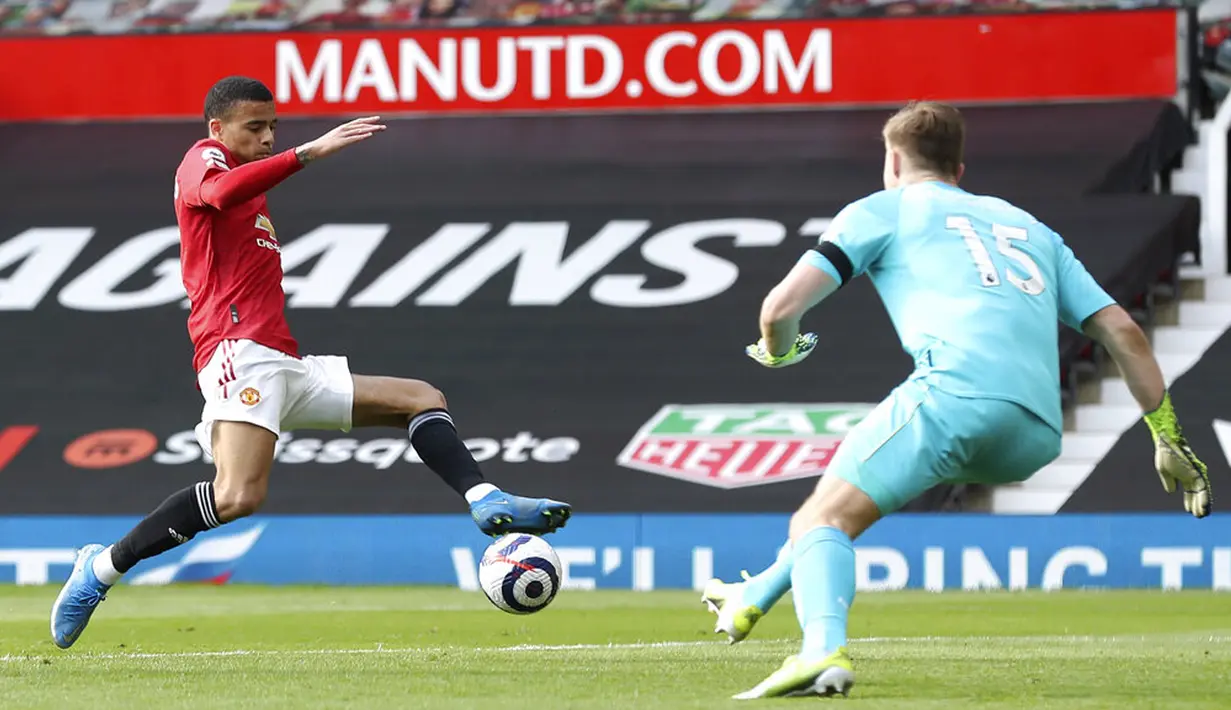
<point>738,445</point>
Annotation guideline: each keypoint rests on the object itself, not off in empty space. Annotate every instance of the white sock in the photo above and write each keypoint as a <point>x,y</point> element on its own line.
<point>476,493</point>
<point>104,569</point>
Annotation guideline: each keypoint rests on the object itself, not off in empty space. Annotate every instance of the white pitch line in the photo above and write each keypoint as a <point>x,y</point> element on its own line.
<point>533,648</point>
<point>1214,638</point>
<point>525,648</point>
<point>865,639</point>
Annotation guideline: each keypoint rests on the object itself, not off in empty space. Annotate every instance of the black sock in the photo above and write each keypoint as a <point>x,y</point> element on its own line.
<point>173,523</point>
<point>436,440</point>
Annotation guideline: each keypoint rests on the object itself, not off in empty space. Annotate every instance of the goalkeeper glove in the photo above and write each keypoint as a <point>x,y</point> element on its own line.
<point>800,349</point>
<point>1176,462</point>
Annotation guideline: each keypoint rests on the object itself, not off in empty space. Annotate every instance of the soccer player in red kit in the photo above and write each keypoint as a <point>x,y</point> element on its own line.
<point>251,375</point>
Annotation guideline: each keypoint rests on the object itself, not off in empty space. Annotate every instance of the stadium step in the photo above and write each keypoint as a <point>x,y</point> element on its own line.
<point>1059,476</point>
<point>1205,313</point>
<point>1105,419</point>
<point>1218,290</point>
<point>1204,126</point>
<point>1188,182</point>
<point>1081,447</point>
<point>1176,364</point>
<point>1172,340</point>
<point>1014,500</point>
<point>1115,393</point>
<point>1192,272</point>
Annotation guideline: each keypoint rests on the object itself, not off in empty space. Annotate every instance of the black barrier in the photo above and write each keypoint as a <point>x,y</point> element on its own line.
<point>581,289</point>
<point>552,362</point>
<point>556,342</point>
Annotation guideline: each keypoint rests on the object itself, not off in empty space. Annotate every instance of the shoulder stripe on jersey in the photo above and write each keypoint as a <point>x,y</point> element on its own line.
<point>838,258</point>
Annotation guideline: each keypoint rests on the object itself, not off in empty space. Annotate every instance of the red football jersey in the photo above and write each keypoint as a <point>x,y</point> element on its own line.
<point>229,253</point>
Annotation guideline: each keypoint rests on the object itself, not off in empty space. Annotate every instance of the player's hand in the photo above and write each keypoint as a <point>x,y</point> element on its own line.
<point>347,134</point>
<point>1175,461</point>
<point>800,349</point>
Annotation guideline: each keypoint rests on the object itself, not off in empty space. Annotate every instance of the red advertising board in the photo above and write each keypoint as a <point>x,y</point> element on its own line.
<point>1020,57</point>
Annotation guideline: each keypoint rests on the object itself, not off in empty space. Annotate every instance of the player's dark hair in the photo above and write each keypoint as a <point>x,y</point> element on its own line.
<point>228,92</point>
<point>932,135</point>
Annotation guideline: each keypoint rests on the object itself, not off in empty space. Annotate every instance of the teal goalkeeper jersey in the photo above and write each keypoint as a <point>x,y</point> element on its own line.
<point>974,287</point>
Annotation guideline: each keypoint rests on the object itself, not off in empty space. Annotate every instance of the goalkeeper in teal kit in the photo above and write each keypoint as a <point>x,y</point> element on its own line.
<point>974,287</point>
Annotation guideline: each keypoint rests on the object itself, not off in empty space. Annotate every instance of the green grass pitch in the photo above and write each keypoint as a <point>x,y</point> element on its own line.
<point>374,648</point>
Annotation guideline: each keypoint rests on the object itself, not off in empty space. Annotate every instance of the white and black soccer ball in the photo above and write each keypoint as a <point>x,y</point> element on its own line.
<point>520,573</point>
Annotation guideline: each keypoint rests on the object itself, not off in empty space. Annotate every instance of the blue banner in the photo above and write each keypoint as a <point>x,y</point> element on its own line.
<point>658,551</point>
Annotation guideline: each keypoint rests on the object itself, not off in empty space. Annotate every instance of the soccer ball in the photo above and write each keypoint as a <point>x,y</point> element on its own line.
<point>520,573</point>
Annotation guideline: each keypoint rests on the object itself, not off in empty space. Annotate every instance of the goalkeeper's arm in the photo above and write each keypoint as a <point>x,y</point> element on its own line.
<point>1173,458</point>
<point>1128,346</point>
<point>799,291</point>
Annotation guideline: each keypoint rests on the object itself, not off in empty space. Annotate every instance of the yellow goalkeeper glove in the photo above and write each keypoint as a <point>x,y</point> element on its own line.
<point>800,349</point>
<point>1175,461</point>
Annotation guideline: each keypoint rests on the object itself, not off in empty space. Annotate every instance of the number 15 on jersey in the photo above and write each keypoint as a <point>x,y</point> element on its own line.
<point>989,276</point>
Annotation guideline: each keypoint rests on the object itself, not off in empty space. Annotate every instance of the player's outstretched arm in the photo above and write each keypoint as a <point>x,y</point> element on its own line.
<point>781,343</point>
<point>1175,462</point>
<point>223,190</point>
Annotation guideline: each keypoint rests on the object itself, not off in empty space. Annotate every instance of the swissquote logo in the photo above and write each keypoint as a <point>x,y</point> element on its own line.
<point>740,445</point>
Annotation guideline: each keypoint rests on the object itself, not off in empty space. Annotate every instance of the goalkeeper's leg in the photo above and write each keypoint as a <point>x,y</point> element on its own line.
<point>740,605</point>
<point>881,465</point>
<point>915,440</point>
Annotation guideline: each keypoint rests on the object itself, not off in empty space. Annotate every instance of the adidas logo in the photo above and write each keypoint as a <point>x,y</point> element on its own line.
<point>178,538</point>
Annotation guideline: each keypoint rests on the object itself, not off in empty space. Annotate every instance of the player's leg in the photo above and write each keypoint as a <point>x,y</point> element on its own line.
<point>243,456</point>
<point>325,395</point>
<point>243,453</point>
<point>897,453</point>
<point>823,585</point>
<point>765,589</point>
<point>239,429</point>
<point>1004,444</point>
<point>420,409</point>
<point>741,605</point>
<point>424,412</point>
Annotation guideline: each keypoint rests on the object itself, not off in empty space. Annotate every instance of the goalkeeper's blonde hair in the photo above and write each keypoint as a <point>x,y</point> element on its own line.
<point>931,135</point>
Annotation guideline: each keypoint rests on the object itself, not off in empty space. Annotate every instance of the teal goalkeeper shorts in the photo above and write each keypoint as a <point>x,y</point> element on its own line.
<point>920,437</point>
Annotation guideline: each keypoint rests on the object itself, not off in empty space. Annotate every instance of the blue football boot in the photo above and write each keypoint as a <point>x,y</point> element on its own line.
<point>78,599</point>
<point>499,513</point>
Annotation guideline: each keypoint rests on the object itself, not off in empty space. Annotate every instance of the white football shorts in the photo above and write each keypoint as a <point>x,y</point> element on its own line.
<point>245,381</point>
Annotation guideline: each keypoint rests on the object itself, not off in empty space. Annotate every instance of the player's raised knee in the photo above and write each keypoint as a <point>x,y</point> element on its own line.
<point>393,401</point>
<point>420,396</point>
<point>237,502</point>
